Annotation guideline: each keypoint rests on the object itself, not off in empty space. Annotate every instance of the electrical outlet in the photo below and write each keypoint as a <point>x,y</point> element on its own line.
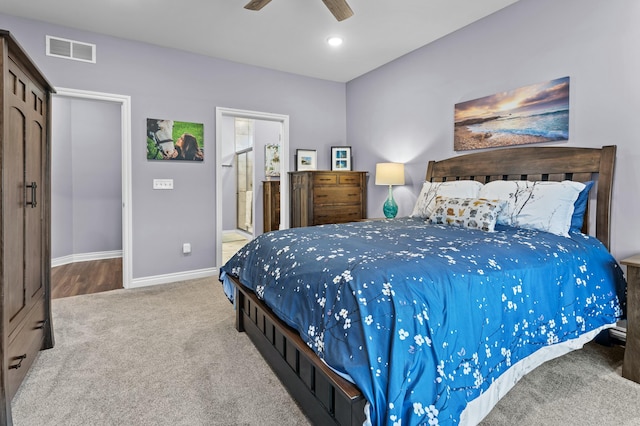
<point>186,248</point>
<point>163,184</point>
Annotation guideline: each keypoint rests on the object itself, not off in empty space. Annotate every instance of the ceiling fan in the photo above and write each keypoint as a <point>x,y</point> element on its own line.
<point>339,8</point>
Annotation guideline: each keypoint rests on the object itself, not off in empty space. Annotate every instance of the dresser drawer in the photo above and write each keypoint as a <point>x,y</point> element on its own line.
<point>325,178</point>
<point>337,195</point>
<point>348,179</point>
<point>27,341</point>
<point>336,214</point>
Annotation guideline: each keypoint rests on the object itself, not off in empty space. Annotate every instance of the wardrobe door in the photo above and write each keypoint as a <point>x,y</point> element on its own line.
<point>34,189</point>
<point>26,145</point>
<point>14,199</point>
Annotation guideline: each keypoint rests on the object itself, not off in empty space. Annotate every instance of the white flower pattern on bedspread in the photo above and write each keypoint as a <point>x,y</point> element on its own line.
<point>425,317</point>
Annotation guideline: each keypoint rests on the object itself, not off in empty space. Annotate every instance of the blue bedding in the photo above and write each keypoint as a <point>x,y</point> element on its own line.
<point>424,317</point>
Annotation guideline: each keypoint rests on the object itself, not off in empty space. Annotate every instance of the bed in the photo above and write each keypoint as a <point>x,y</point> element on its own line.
<point>415,321</point>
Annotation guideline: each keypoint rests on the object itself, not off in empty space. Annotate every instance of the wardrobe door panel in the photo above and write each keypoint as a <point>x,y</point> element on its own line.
<point>33,211</point>
<point>14,191</point>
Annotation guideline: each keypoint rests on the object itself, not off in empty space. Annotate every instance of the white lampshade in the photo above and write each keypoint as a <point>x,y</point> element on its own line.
<point>389,174</point>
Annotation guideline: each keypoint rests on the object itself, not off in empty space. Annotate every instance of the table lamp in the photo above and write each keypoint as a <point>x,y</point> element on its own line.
<point>390,174</point>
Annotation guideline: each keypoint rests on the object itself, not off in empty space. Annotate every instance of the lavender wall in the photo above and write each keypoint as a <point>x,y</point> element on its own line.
<point>182,86</point>
<point>97,176</point>
<point>86,214</point>
<point>61,181</point>
<point>403,111</point>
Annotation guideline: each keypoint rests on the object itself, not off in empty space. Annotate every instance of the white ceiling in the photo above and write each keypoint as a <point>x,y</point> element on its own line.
<point>286,35</point>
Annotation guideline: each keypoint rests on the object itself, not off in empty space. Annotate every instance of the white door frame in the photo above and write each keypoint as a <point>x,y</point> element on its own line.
<point>125,129</point>
<point>284,167</point>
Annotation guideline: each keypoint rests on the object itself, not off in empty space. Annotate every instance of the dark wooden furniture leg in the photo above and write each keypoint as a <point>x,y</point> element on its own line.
<point>631,365</point>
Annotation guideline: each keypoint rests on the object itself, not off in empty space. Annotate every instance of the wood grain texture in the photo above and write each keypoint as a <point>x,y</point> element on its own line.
<point>539,163</point>
<point>308,379</point>
<point>339,8</point>
<point>270,205</point>
<point>631,365</point>
<point>25,233</point>
<point>78,278</point>
<point>322,197</point>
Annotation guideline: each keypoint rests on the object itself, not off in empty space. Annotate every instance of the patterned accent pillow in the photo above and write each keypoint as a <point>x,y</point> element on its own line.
<point>542,205</point>
<point>430,190</point>
<point>474,213</point>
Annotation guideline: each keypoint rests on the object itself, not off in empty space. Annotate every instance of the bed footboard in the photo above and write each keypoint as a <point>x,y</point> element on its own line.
<point>324,397</point>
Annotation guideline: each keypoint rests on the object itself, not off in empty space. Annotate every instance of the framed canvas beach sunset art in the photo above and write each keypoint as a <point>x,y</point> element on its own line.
<point>529,114</point>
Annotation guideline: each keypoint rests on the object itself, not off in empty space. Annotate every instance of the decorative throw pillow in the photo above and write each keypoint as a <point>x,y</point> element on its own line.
<point>430,190</point>
<point>546,206</point>
<point>579,207</point>
<point>474,213</point>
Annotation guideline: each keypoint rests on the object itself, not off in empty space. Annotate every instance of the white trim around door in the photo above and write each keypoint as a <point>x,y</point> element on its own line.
<point>125,118</point>
<point>284,167</point>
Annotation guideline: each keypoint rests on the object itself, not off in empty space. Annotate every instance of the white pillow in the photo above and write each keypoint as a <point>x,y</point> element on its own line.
<point>546,206</point>
<point>454,189</point>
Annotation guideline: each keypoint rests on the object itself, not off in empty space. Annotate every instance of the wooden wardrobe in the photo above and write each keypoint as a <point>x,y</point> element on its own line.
<point>25,258</point>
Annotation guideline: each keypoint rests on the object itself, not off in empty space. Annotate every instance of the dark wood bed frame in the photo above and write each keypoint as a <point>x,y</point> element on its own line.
<point>327,398</point>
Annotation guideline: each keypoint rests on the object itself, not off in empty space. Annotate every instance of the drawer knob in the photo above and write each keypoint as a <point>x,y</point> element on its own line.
<point>19,364</point>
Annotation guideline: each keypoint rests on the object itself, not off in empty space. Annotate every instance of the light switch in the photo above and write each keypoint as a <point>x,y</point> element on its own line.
<point>163,184</point>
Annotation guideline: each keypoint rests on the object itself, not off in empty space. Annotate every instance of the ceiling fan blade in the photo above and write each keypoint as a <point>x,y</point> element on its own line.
<point>256,4</point>
<point>339,8</point>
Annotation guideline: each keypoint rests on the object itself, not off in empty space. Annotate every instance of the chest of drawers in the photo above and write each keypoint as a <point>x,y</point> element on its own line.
<point>271,205</point>
<point>321,197</point>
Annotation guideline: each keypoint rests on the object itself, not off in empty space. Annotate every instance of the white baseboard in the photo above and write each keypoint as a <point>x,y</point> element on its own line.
<point>170,278</point>
<point>85,257</point>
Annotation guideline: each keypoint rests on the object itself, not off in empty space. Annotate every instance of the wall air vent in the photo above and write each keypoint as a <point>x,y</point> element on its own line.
<point>71,49</point>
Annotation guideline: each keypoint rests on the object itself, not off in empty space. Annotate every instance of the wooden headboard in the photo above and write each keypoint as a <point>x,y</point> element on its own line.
<point>539,163</point>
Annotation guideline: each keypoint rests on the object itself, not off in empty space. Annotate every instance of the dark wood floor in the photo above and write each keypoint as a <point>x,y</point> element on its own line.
<point>78,278</point>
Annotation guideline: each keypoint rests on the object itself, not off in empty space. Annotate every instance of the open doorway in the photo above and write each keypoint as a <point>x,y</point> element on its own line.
<point>241,138</point>
<point>90,192</point>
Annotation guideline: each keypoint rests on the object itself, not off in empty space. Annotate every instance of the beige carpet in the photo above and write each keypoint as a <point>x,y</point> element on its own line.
<point>582,388</point>
<point>165,355</point>
<point>162,355</point>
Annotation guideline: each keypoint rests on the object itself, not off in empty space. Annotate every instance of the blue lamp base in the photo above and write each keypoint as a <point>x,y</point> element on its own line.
<point>390,208</point>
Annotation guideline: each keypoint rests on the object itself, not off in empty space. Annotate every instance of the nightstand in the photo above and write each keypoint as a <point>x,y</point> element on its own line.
<point>631,365</point>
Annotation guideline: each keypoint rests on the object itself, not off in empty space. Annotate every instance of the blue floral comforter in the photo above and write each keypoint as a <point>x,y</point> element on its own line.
<point>422,317</point>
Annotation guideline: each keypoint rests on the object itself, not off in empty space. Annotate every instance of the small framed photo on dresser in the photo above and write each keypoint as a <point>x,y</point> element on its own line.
<point>306,159</point>
<point>340,158</point>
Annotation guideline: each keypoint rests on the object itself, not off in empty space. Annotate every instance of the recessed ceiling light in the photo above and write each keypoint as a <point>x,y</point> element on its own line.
<point>334,41</point>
